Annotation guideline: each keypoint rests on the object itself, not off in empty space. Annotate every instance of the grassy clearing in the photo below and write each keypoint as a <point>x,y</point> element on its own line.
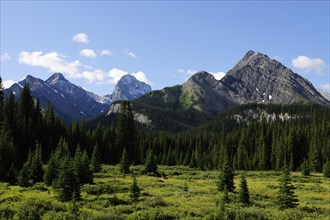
<point>184,194</point>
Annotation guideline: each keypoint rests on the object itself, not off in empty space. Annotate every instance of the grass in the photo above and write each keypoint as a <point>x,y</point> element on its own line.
<point>184,194</point>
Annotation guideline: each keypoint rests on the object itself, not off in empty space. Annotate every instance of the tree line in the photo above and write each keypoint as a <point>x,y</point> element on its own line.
<point>30,136</point>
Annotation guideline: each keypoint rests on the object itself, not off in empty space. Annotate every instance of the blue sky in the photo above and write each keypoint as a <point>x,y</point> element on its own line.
<point>93,43</point>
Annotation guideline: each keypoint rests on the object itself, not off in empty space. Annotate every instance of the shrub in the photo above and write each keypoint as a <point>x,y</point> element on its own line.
<point>99,189</point>
<point>326,169</point>
<point>33,209</point>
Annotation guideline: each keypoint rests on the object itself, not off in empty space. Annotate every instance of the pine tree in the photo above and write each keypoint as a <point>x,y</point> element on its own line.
<point>67,184</point>
<point>226,178</point>
<point>305,168</point>
<point>244,195</point>
<point>326,169</point>
<point>135,190</point>
<point>36,171</point>
<point>286,197</point>
<point>124,163</point>
<point>151,164</point>
<point>81,167</point>
<point>23,176</point>
<point>51,171</point>
<point>96,160</point>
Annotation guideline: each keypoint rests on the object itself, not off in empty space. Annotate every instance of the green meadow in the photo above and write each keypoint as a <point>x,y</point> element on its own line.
<point>181,193</point>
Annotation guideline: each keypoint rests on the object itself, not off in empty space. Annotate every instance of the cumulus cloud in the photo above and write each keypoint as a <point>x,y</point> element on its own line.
<point>105,52</point>
<point>5,57</point>
<point>326,87</point>
<point>218,75</point>
<point>188,71</point>
<point>129,53</point>
<point>141,76</point>
<point>53,61</point>
<point>56,62</point>
<point>115,75</point>
<point>87,53</point>
<point>8,83</point>
<point>308,64</point>
<point>81,38</point>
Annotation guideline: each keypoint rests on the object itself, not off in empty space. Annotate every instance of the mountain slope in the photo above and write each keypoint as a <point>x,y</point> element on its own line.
<point>129,88</point>
<point>254,79</point>
<point>258,79</point>
<point>69,101</point>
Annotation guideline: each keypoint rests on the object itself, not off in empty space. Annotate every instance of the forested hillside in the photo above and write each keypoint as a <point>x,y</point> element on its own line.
<point>252,137</point>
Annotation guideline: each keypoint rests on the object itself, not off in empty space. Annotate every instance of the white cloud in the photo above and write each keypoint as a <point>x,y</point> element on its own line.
<point>309,64</point>
<point>80,38</point>
<point>87,53</point>
<point>106,52</point>
<point>189,71</point>
<point>218,75</point>
<point>56,62</point>
<point>5,57</point>
<point>129,53</point>
<point>53,61</point>
<point>93,75</point>
<point>115,75</point>
<point>141,76</point>
<point>8,83</point>
<point>326,87</point>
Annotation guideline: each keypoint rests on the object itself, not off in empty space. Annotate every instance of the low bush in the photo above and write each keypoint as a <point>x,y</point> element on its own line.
<point>98,189</point>
<point>33,209</point>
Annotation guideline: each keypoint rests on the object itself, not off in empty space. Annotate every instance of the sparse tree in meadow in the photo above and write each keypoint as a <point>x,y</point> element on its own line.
<point>124,162</point>
<point>286,197</point>
<point>226,178</point>
<point>305,168</point>
<point>151,164</point>
<point>135,191</point>
<point>244,195</point>
<point>96,160</point>
<point>326,169</point>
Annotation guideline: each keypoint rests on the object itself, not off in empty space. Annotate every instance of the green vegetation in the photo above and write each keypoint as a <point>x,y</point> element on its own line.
<point>109,197</point>
<point>286,197</point>
<point>326,169</point>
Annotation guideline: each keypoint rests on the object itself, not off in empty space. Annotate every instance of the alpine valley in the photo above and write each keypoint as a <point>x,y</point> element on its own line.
<point>206,149</point>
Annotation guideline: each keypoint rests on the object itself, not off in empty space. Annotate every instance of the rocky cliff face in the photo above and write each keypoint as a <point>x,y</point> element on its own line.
<point>258,79</point>
<point>129,88</point>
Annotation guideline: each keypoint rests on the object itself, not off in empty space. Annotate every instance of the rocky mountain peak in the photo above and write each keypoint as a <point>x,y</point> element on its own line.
<point>56,77</point>
<point>129,88</point>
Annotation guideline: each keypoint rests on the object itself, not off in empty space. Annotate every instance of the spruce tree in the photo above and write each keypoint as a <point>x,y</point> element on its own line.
<point>226,178</point>
<point>135,191</point>
<point>23,176</point>
<point>67,184</point>
<point>286,197</point>
<point>36,171</point>
<point>326,169</point>
<point>124,163</point>
<point>244,195</point>
<point>81,167</point>
<point>96,160</point>
<point>305,168</point>
<point>151,164</point>
<point>51,171</point>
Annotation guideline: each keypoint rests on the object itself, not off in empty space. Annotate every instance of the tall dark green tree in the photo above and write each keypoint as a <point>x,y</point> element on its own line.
<point>135,191</point>
<point>81,167</point>
<point>151,164</point>
<point>126,134</point>
<point>51,171</point>
<point>226,178</point>
<point>67,183</point>
<point>286,197</point>
<point>36,171</point>
<point>244,195</point>
<point>124,163</point>
<point>96,160</point>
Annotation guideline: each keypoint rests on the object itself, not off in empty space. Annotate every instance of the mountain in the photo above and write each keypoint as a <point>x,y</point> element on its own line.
<point>71,102</point>
<point>256,78</point>
<point>324,94</point>
<point>68,100</point>
<point>129,88</point>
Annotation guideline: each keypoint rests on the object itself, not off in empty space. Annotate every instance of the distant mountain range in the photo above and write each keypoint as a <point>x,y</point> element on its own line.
<point>256,78</point>
<point>72,102</point>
